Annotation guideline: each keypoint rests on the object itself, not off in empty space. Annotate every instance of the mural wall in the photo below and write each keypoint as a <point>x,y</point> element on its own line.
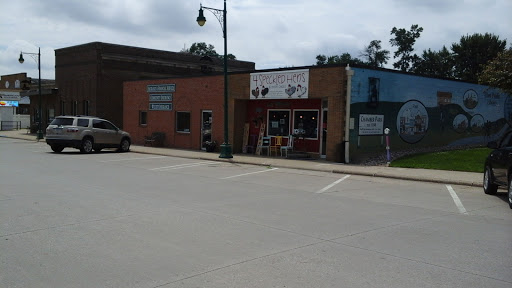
<point>424,112</point>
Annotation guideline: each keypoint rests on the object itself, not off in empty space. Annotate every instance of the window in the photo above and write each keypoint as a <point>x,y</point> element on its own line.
<point>305,123</point>
<point>74,108</point>
<point>278,123</point>
<point>86,107</point>
<point>143,117</point>
<point>62,108</point>
<point>82,122</point>
<point>101,124</point>
<point>183,122</point>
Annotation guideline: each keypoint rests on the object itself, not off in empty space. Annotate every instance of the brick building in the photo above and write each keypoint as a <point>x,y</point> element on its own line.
<point>90,76</point>
<point>289,101</point>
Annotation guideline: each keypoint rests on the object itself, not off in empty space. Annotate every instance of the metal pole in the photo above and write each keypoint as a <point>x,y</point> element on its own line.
<point>225,148</point>
<point>39,131</point>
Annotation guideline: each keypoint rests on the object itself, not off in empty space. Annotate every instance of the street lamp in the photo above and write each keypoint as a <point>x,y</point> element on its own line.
<point>38,60</point>
<point>225,148</point>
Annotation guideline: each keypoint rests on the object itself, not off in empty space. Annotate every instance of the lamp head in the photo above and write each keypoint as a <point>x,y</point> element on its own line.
<point>21,60</point>
<point>201,19</point>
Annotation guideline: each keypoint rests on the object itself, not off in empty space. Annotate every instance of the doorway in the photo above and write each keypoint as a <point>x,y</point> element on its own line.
<point>206,128</point>
<point>324,133</point>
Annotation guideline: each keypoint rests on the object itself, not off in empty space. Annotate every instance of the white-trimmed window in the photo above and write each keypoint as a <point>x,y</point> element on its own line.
<point>86,107</point>
<point>183,121</point>
<point>305,123</point>
<point>74,108</point>
<point>278,122</point>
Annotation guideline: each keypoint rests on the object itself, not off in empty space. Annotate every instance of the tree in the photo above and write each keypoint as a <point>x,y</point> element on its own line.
<point>474,51</point>
<point>344,58</point>
<point>203,49</point>
<point>405,40</point>
<point>435,64</point>
<point>373,54</point>
<point>498,72</point>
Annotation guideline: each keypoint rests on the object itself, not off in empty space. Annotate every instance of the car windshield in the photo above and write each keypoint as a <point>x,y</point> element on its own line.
<point>62,121</point>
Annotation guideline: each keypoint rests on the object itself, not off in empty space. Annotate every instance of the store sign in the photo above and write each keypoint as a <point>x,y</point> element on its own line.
<point>370,124</point>
<point>293,84</point>
<point>9,103</point>
<point>161,88</point>
<point>160,106</point>
<point>160,97</point>
<point>10,96</point>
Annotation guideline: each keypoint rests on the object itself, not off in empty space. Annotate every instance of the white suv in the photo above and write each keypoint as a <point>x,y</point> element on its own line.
<point>85,133</point>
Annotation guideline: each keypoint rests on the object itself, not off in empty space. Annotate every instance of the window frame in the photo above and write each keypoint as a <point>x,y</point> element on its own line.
<point>179,125</point>
<point>296,111</point>
<point>269,133</point>
<point>143,118</point>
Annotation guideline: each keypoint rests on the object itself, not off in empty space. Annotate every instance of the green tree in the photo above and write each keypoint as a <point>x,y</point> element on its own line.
<point>404,41</point>
<point>203,49</point>
<point>344,58</point>
<point>374,55</point>
<point>435,63</point>
<point>474,51</point>
<point>498,72</point>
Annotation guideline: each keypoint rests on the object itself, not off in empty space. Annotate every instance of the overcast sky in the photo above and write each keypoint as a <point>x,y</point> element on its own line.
<point>271,33</point>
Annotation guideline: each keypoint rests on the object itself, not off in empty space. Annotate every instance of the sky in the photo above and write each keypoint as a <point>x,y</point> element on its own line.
<point>270,33</point>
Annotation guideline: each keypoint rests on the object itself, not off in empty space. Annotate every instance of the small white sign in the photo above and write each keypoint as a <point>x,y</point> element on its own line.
<point>370,124</point>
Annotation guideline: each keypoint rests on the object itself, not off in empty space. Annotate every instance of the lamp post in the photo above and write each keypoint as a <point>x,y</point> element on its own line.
<point>40,112</point>
<point>225,148</point>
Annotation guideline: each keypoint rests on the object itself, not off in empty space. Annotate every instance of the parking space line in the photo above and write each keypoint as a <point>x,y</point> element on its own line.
<point>456,199</point>
<point>331,185</point>
<point>128,159</point>
<point>268,170</point>
<point>180,166</point>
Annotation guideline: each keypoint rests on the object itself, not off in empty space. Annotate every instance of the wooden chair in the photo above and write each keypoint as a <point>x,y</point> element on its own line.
<point>265,144</point>
<point>278,141</point>
<point>288,147</point>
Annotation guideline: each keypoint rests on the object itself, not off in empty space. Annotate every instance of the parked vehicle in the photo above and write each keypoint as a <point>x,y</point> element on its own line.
<point>86,133</point>
<point>498,166</point>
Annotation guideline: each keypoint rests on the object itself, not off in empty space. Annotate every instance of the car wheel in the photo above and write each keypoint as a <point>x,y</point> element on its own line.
<point>510,192</point>
<point>86,146</point>
<point>57,148</point>
<point>124,146</point>
<point>489,187</point>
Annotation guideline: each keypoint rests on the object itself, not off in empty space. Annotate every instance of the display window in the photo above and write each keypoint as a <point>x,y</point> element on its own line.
<point>305,123</point>
<point>278,123</point>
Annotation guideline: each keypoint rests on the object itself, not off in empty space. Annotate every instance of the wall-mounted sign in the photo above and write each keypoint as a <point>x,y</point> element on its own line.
<point>161,88</point>
<point>8,103</point>
<point>9,96</point>
<point>292,84</point>
<point>370,124</point>
<point>160,106</point>
<point>160,97</point>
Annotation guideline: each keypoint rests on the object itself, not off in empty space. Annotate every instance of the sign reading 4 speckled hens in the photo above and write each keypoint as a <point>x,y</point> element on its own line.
<point>292,84</point>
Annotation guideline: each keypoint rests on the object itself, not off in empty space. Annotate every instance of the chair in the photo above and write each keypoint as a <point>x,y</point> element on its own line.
<point>278,141</point>
<point>265,144</point>
<point>289,146</point>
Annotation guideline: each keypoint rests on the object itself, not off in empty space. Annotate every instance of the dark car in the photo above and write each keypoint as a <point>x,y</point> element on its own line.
<point>498,166</point>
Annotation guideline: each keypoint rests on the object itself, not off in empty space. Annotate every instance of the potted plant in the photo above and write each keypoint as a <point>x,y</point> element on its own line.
<point>210,146</point>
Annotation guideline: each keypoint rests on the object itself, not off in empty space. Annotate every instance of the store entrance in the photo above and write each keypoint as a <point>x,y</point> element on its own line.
<point>324,133</point>
<point>206,128</point>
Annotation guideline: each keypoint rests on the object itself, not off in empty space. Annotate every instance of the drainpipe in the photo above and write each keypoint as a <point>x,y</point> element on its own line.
<point>350,73</point>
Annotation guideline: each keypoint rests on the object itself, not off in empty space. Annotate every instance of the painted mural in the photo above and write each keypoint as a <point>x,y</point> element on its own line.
<point>427,111</point>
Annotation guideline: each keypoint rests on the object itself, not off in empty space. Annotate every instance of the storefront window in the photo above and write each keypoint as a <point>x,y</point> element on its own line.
<point>278,123</point>
<point>183,122</point>
<point>305,123</point>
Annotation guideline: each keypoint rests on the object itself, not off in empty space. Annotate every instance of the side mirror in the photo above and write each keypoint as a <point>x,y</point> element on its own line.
<point>492,145</point>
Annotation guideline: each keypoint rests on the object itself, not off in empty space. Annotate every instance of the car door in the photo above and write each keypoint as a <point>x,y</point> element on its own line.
<point>111,134</point>
<point>501,158</point>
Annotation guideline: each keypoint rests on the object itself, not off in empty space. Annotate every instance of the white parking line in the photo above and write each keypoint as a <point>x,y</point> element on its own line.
<point>180,166</point>
<point>268,170</point>
<point>456,199</point>
<point>331,185</point>
<point>128,159</point>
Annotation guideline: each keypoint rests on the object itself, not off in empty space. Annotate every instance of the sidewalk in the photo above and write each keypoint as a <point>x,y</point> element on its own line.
<point>427,175</point>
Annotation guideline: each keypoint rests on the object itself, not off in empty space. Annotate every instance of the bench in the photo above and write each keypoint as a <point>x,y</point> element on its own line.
<point>155,139</point>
